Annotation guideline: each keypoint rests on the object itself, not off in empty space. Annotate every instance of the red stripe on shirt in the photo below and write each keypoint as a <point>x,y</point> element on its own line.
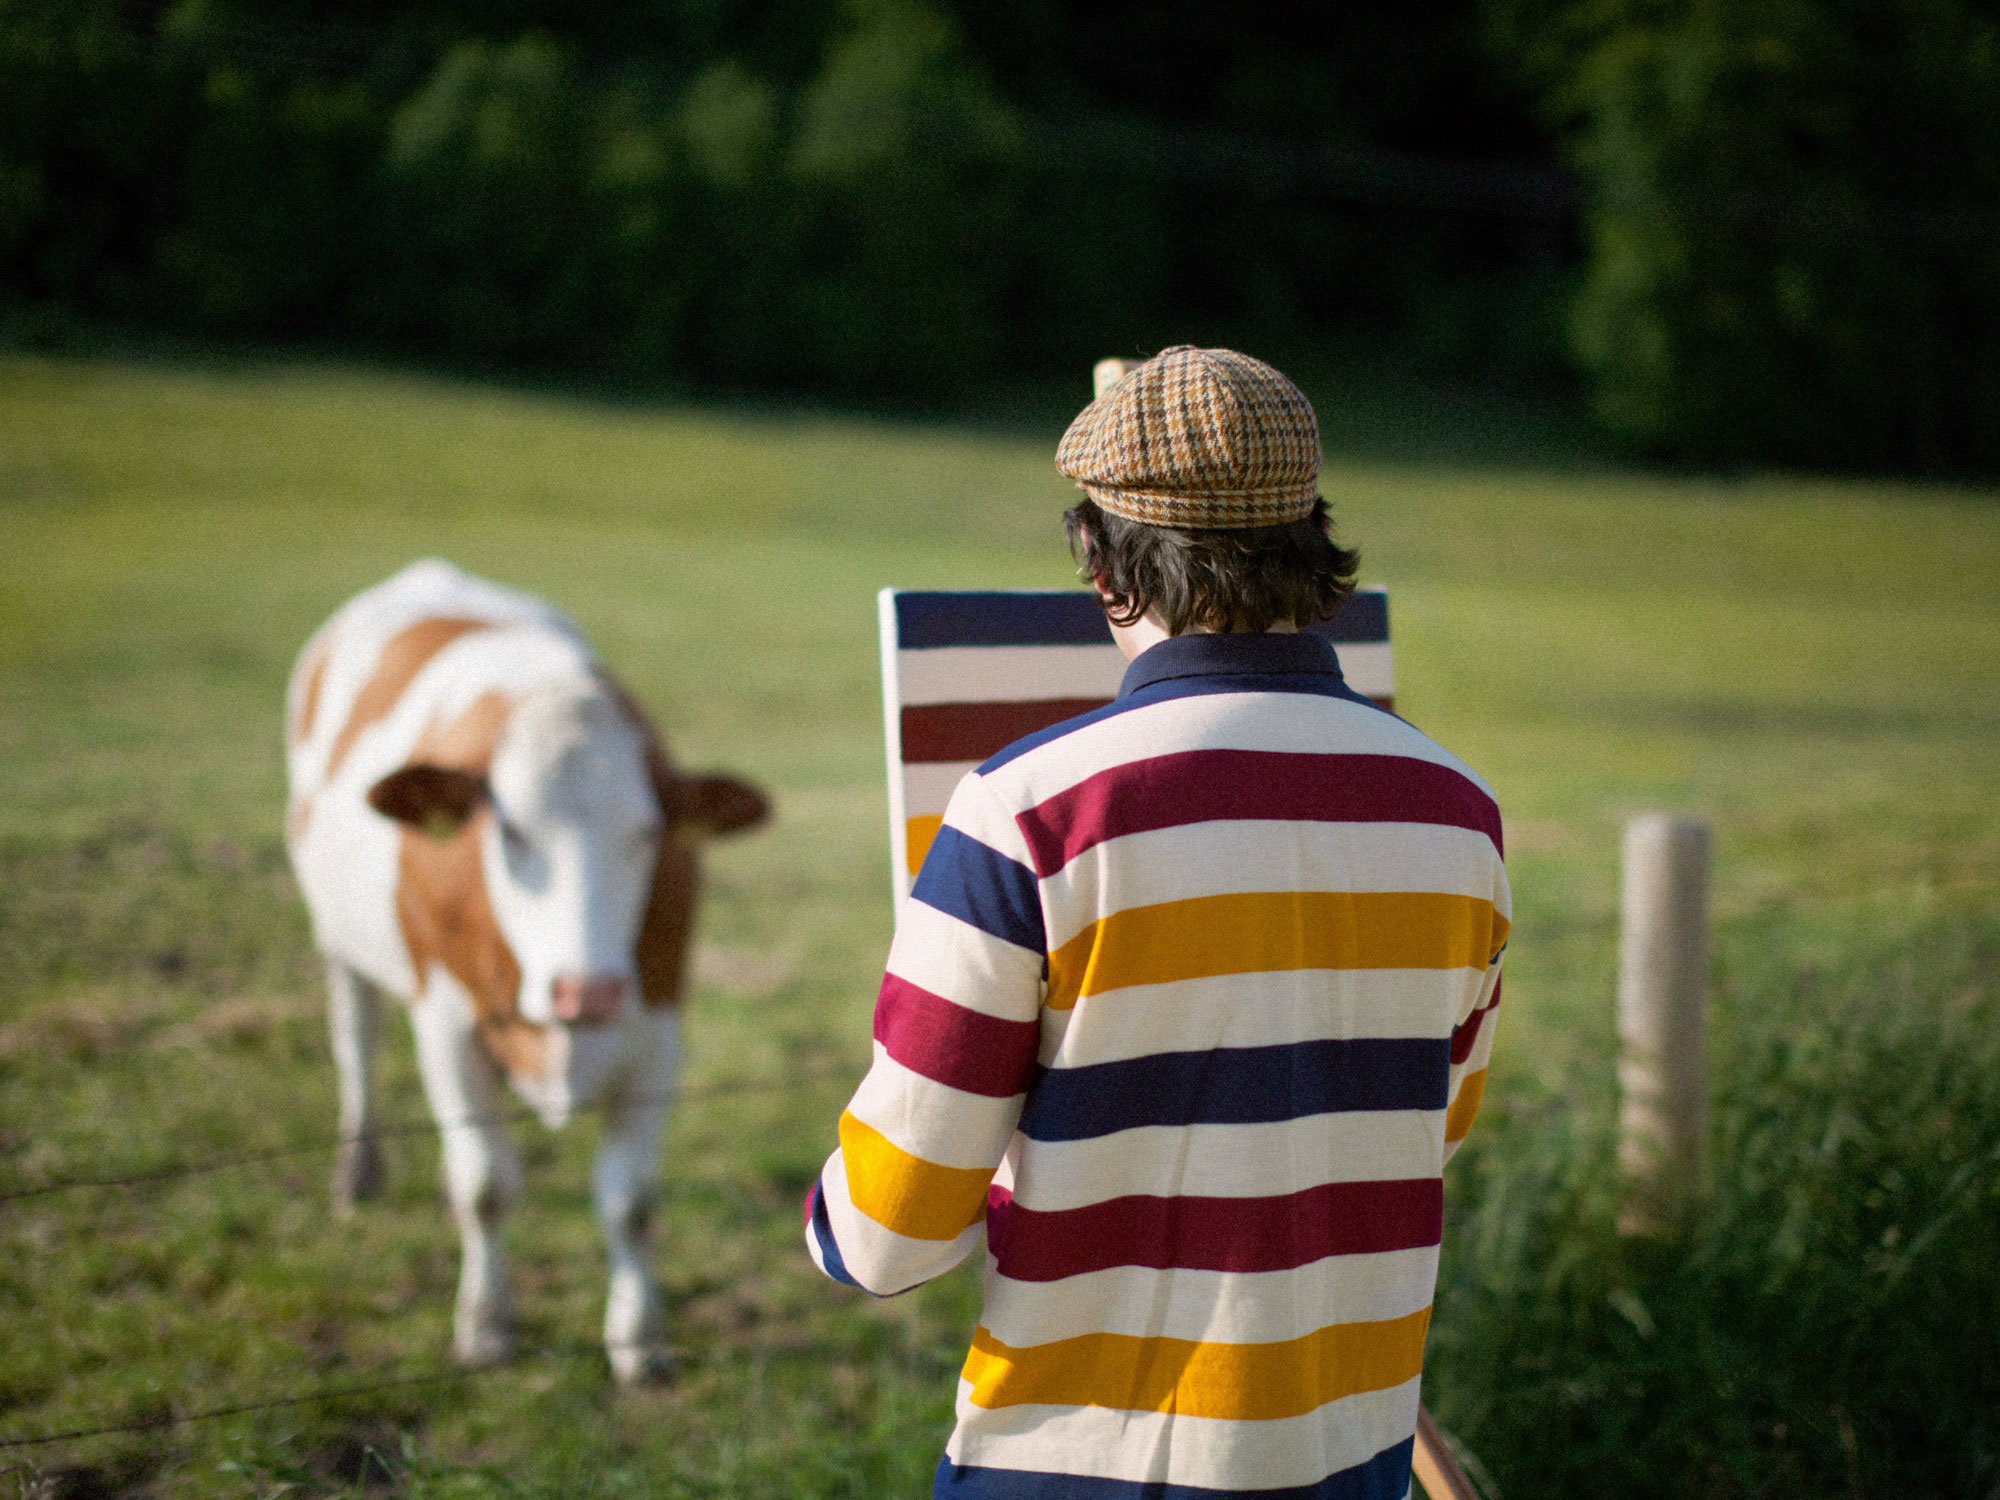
<point>1467,1032</point>
<point>1215,1234</point>
<point>949,1044</point>
<point>1202,786</point>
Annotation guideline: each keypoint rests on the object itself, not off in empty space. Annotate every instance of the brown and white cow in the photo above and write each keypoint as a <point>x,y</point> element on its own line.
<point>486,826</point>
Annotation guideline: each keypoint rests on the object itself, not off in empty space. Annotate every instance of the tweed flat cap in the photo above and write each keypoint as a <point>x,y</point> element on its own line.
<point>1197,437</point>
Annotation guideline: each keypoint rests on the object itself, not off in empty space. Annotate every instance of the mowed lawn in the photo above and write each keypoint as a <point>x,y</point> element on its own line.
<point>1813,666</point>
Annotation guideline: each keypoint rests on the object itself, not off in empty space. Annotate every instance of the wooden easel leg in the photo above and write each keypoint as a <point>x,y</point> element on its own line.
<point>1436,1470</point>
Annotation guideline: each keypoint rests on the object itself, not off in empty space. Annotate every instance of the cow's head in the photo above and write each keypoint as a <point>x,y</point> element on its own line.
<point>583,836</point>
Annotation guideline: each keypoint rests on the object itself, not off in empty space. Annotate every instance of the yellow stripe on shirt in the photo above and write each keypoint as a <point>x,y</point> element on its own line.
<point>905,1193</point>
<point>1236,1382</point>
<point>1458,1119</point>
<point>1266,931</point>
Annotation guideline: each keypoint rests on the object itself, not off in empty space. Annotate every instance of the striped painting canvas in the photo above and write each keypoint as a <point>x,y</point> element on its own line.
<point>966,674</point>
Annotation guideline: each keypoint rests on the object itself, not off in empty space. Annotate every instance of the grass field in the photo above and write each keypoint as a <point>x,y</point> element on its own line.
<point>1813,666</point>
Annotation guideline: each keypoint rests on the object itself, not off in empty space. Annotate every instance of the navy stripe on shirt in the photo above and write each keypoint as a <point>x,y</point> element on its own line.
<point>1239,1086</point>
<point>978,884</point>
<point>1386,1476</point>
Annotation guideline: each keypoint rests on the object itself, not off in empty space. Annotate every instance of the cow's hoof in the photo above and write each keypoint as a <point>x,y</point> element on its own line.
<point>357,1175</point>
<point>488,1346</point>
<point>641,1364</point>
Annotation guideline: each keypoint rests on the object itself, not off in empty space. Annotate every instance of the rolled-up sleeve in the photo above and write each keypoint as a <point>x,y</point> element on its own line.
<point>957,1028</point>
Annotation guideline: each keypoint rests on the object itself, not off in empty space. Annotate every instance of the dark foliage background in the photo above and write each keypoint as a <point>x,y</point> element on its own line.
<point>1779,244</point>
<point>1794,227</point>
<point>882,195</point>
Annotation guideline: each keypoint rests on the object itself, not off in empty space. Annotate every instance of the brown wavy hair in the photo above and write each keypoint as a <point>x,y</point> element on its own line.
<point>1212,578</point>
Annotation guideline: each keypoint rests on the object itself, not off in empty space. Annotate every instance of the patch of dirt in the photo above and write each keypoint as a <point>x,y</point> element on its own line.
<point>80,1028</point>
<point>240,1022</point>
<point>85,1028</point>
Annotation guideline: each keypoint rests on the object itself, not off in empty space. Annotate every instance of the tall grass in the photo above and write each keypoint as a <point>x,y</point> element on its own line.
<point>1829,1321</point>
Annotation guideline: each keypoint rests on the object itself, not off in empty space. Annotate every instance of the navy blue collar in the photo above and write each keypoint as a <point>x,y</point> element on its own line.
<point>1283,652</point>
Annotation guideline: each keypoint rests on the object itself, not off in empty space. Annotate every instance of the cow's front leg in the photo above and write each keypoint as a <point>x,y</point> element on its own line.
<point>625,1188</point>
<point>482,1174</point>
<point>352,1014</point>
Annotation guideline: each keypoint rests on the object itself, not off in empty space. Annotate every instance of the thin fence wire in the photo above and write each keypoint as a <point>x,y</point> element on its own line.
<point>559,1355</point>
<point>402,1127</point>
<point>409,1125</point>
<point>300,1398</point>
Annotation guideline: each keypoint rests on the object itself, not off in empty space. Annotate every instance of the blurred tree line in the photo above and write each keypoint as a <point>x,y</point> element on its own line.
<point>1763,229</point>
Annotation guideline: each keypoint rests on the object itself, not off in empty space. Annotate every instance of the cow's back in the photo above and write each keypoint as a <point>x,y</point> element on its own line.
<point>409,617</point>
<point>432,652</point>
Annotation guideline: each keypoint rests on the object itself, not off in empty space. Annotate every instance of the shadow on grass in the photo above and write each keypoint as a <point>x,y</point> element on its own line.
<point>1375,403</point>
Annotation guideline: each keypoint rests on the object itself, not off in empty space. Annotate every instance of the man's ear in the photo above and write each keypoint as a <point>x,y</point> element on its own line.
<point>436,799</point>
<point>699,807</point>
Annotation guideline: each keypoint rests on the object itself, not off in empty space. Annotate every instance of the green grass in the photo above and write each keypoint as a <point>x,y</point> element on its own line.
<point>1810,665</point>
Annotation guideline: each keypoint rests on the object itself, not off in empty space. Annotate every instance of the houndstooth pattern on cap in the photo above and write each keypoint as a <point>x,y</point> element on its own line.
<point>1197,437</point>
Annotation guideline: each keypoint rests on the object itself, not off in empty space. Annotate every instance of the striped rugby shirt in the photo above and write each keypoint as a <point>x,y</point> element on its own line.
<point>1190,1004</point>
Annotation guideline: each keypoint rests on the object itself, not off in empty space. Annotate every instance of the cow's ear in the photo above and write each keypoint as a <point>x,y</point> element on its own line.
<point>699,807</point>
<point>436,799</point>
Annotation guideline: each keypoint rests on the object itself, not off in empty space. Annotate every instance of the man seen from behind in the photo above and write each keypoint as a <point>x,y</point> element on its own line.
<point>1190,1004</point>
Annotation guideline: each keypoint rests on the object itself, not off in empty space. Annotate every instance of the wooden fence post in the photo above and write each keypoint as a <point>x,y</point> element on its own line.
<point>1662,1024</point>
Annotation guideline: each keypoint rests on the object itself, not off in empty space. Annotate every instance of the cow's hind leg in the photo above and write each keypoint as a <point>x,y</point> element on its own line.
<point>353,1013</point>
<point>482,1173</point>
<point>625,1190</point>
